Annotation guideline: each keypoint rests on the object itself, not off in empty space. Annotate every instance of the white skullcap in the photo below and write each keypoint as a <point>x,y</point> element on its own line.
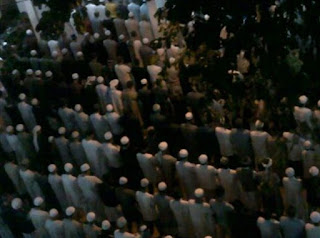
<point>48,74</point>
<point>53,213</point>
<point>108,135</point>
<point>318,103</point>
<point>303,99</point>
<point>172,60</point>
<point>307,144</point>
<point>123,180</point>
<point>189,116</point>
<point>68,167</point>
<point>144,81</point>
<point>114,83</point>
<point>259,124</point>
<point>121,222</point>
<point>54,54</point>
<point>75,134</point>
<point>62,130</point>
<point>162,186</point>
<point>163,146</point>
<point>50,139</point>
<point>315,217</point>
<point>38,201</point>
<point>96,36</point>
<point>267,165</point>
<point>145,41</point>
<point>37,128</point>
<point>79,54</point>
<point>109,108</point>
<point>77,107</point>
<point>16,203</point>
<point>107,33</point>
<point>121,37</point>
<point>29,32</point>
<point>15,71</point>
<point>64,51</point>
<point>29,71</point>
<point>160,51</point>
<point>105,225</point>
<point>34,102</point>
<point>38,73</point>
<point>169,236</point>
<point>143,228</point>
<point>19,127</point>
<point>70,211</point>
<point>130,14</point>
<point>156,107</point>
<point>144,182</point>
<point>124,140</point>
<point>208,237</point>
<point>183,153</point>
<point>33,52</point>
<point>203,159</point>
<point>290,172</point>
<point>9,129</point>
<point>75,76</point>
<point>287,135</point>
<point>91,216</point>
<point>52,168</point>
<point>206,17</point>
<point>314,171</point>
<point>22,96</point>
<point>147,155</point>
<point>85,167</point>
<point>199,193</point>
<point>100,79</point>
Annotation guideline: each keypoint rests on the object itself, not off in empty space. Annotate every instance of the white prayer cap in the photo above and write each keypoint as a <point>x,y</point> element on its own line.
<point>145,41</point>
<point>266,164</point>
<point>203,159</point>
<point>287,135</point>
<point>48,74</point>
<point>54,54</point>
<point>114,83</point>
<point>37,128</point>
<point>172,60</point>
<point>53,213</point>
<point>68,167</point>
<point>123,180</point>
<point>290,172</point>
<point>77,107</point>
<point>38,201</point>
<point>75,76</point>
<point>156,107</point>
<point>169,236</point>
<point>160,51</point>
<point>183,153</point>
<point>318,103</point>
<point>121,222</point>
<point>107,33</point>
<point>9,129</point>
<point>91,216</point>
<point>79,54</point>
<point>22,96</point>
<point>75,134</point>
<point>50,139</point>
<point>163,146</point>
<point>29,32</point>
<point>143,228</point>
<point>315,217</point>
<point>130,14</point>
<point>144,81</point>
<point>19,127</point>
<point>144,182</point>
<point>34,101</point>
<point>162,186</point>
<point>33,52</point>
<point>199,193</point>
<point>38,73</point>
<point>108,135</point>
<point>124,140</point>
<point>303,99</point>
<point>16,203</point>
<point>70,211</point>
<point>52,168</point>
<point>100,79</point>
<point>109,108</point>
<point>85,167</point>
<point>208,237</point>
<point>314,171</point>
<point>121,37</point>
<point>96,36</point>
<point>64,51</point>
<point>147,155</point>
<point>29,72</point>
<point>62,130</point>
<point>105,225</point>
<point>206,17</point>
<point>15,71</point>
<point>189,116</point>
<point>307,144</point>
<point>259,124</point>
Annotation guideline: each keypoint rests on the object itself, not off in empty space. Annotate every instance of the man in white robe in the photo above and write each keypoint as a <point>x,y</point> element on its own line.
<point>90,229</point>
<point>223,136</point>
<point>53,225</point>
<point>71,227</point>
<point>99,124</point>
<point>82,120</point>
<point>67,115</point>
<point>116,96</point>
<point>132,25</point>
<point>12,171</point>
<point>62,144</point>
<point>145,29</point>
<point>101,90</point>
<point>39,217</point>
<point>123,73</point>
<point>148,166</point>
<point>313,228</point>
<point>113,119</point>
<point>302,114</point>
<point>135,9</point>
<point>26,112</point>
<point>15,144</point>
<point>55,181</point>
<point>76,149</point>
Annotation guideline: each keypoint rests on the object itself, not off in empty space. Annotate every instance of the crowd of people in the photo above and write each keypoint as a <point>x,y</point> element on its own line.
<point>116,133</point>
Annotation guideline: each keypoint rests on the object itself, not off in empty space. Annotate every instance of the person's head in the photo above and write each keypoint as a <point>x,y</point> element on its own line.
<point>199,193</point>
<point>291,211</point>
<point>85,169</point>
<point>162,187</point>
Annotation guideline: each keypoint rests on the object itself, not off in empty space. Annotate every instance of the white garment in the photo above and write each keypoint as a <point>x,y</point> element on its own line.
<point>118,234</point>
<point>72,229</point>
<point>132,25</point>
<point>91,9</point>
<point>101,91</point>
<point>123,74</point>
<point>187,177</point>
<point>146,30</point>
<point>148,167</point>
<point>112,155</point>
<point>102,12</point>
<point>54,46</point>
<point>27,115</point>
<point>259,140</point>
<point>308,160</point>
<point>63,148</point>
<point>136,48</point>
<point>56,184</point>
<point>293,194</point>
<point>82,122</point>
<point>223,136</point>
<point>67,116</point>
<point>12,171</point>
<point>91,148</point>
<point>38,217</point>
<point>72,190</point>
<point>116,98</point>
<point>181,212</point>
<point>99,125</point>
<point>303,115</point>
<point>146,206</point>
<point>312,231</point>
<point>16,145</point>
<point>207,176</point>
<point>154,71</point>
<point>54,228</point>
<point>269,228</point>
<point>113,120</point>
<point>135,9</point>
<point>227,179</point>
<point>144,11</point>
<point>29,179</point>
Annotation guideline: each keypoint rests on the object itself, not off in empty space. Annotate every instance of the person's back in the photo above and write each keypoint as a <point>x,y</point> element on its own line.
<point>312,231</point>
<point>269,228</point>
<point>291,227</point>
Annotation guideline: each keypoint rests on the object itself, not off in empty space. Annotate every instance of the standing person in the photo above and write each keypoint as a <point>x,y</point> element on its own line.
<point>122,231</point>
<point>15,144</point>
<point>189,130</point>
<point>82,120</point>
<point>132,25</point>
<point>145,29</point>
<point>123,72</point>
<point>290,226</point>
<point>106,231</point>
<point>144,11</point>
<point>303,115</point>
<point>111,47</point>
<point>26,112</point>
<point>71,227</point>
<point>90,229</point>
<point>12,171</point>
<point>312,186</point>
<point>56,184</point>
<point>269,228</point>
<point>53,225</point>
<point>120,27</point>
<point>135,9</point>
<point>308,158</point>
<point>146,52</point>
<point>147,164</point>
<point>313,228</point>
<point>76,149</point>
<point>113,119</point>
<point>39,217</point>
<point>100,126</point>
<point>26,140</point>
<point>223,136</point>
<point>62,144</point>
<point>67,115</point>
<point>116,96</point>
<point>145,101</point>
<point>101,90</point>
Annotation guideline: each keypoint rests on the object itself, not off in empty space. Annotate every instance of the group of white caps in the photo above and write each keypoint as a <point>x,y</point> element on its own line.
<point>303,99</point>
<point>30,72</point>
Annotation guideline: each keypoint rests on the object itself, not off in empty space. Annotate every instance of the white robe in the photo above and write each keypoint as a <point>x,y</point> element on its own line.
<point>54,228</point>
<point>12,171</point>
<point>144,11</point>
<point>135,9</point>
<point>91,9</point>
<point>102,12</point>
<point>27,115</point>
<point>116,98</point>
<point>146,30</point>
<point>146,206</point>
<point>207,176</point>
<point>187,177</point>
<point>101,91</point>
<point>118,234</point>
<point>72,190</point>
<point>133,25</point>
<point>113,120</point>
<point>54,46</point>
<point>72,229</point>
<point>63,148</point>
<point>38,217</point>
<point>99,125</point>
<point>149,169</point>
<point>181,212</point>
<point>67,116</point>
<point>82,122</point>
<point>91,148</point>
<point>293,194</point>
<point>227,179</point>
<point>269,228</point>
<point>32,186</point>
<point>112,155</point>
<point>303,115</point>
<point>223,136</point>
<point>136,49</point>
<point>308,160</point>
<point>56,184</point>
<point>16,145</point>
<point>312,231</point>
<point>259,140</point>
<point>123,74</point>
<point>154,71</point>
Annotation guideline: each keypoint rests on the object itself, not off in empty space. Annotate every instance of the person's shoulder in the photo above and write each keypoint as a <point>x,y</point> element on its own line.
<point>309,226</point>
